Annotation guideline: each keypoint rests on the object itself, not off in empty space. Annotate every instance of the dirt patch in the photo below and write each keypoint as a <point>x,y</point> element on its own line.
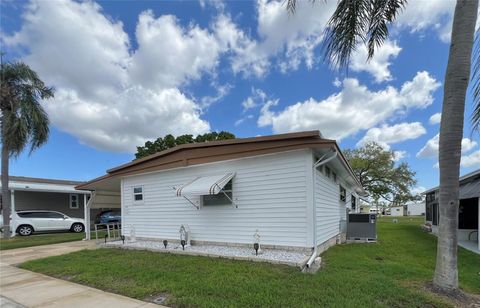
<point>458,298</point>
<point>159,299</point>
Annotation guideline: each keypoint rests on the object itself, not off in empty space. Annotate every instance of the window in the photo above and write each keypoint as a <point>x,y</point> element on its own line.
<point>54,215</point>
<point>220,198</point>
<point>74,201</point>
<point>138,194</point>
<point>435,214</point>
<point>327,171</point>
<point>354,202</point>
<point>334,177</point>
<point>468,214</point>
<point>343,194</point>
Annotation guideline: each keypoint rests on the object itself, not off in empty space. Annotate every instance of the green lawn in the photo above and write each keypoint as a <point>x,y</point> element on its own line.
<point>391,273</point>
<point>41,239</point>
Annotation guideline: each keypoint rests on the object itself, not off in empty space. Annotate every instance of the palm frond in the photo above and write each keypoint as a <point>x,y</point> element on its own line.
<point>24,121</point>
<point>355,22</point>
<point>383,12</point>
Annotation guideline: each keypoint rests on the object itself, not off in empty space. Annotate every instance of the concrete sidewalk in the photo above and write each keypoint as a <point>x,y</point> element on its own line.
<point>36,290</point>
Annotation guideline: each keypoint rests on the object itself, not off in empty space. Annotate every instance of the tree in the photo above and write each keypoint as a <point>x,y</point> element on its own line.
<point>367,21</point>
<point>376,170</point>
<point>169,141</point>
<point>23,120</point>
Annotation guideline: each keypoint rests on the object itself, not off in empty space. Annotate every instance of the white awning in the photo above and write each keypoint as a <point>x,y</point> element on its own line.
<point>205,185</point>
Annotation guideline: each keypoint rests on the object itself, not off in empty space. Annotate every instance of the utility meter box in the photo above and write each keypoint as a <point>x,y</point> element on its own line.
<point>362,227</point>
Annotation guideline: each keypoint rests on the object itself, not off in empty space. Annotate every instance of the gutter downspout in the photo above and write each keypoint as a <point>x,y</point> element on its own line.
<point>317,164</point>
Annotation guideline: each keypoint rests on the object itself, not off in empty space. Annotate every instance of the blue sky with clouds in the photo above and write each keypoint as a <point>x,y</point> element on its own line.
<point>129,71</point>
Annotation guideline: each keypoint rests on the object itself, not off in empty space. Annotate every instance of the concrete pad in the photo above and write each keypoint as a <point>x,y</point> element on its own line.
<point>39,292</point>
<point>8,303</point>
<point>28,289</point>
<point>92,298</point>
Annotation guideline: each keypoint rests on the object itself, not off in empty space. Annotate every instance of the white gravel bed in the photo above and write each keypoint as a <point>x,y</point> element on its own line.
<point>293,258</point>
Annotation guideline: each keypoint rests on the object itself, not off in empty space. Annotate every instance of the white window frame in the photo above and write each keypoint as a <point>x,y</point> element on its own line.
<point>340,187</point>
<point>141,193</point>
<point>328,172</point>
<point>76,201</point>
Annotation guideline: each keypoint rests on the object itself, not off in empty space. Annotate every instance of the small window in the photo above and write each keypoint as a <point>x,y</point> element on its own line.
<point>343,194</point>
<point>74,201</point>
<point>354,202</point>
<point>334,177</point>
<point>327,171</point>
<point>220,198</point>
<point>138,194</point>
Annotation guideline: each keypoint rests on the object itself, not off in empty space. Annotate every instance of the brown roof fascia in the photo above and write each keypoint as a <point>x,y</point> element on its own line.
<point>307,134</point>
<point>98,179</point>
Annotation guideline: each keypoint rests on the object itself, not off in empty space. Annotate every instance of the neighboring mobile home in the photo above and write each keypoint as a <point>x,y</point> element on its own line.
<point>396,211</point>
<point>295,189</point>
<point>416,208</point>
<point>29,193</point>
<point>468,211</point>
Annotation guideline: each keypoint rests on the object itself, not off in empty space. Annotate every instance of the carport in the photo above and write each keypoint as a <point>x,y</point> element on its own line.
<point>105,193</point>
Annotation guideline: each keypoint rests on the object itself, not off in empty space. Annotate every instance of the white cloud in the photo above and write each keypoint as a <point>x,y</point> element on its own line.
<point>435,119</point>
<point>399,155</point>
<point>353,109</point>
<point>257,98</point>
<point>106,91</point>
<point>430,150</point>
<point>386,135</point>
<point>378,65</point>
<point>169,55</point>
<point>417,190</point>
<point>472,160</point>
<point>421,15</point>
<point>243,119</point>
<point>221,92</point>
<point>266,116</point>
<point>291,38</point>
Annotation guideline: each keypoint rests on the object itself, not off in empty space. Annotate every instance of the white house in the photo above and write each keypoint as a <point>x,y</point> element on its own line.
<point>416,208</point>
<point>396,211</point>
<point>294,189</point>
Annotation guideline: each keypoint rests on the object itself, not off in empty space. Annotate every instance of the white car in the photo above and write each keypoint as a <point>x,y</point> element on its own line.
<point>27,222</point>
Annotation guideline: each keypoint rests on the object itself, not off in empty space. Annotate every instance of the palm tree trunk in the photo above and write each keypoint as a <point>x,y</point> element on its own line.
<point>6,198</point>
<point>451,133</point>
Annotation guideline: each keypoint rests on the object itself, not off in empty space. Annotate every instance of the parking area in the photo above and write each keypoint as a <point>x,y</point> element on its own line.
<point>22,288</point>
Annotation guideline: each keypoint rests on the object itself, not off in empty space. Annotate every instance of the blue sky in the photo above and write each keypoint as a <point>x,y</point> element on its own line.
<point>130,71</point>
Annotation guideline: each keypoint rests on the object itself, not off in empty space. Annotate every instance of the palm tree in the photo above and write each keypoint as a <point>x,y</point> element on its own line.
<point>357,22</point>
<point>23,120</point>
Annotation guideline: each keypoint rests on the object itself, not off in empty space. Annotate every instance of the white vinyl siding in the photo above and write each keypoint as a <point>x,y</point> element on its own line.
<point>328,208</point>
<point>270,191</point>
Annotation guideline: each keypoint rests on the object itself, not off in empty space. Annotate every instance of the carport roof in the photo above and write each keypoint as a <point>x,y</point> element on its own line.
<point>23,183</point>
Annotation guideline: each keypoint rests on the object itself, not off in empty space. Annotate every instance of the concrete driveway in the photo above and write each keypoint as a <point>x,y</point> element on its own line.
<point>22,288</point>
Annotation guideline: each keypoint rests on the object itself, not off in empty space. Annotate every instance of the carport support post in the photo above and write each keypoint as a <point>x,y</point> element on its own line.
<point>12,203</point>
<point>86,215</point>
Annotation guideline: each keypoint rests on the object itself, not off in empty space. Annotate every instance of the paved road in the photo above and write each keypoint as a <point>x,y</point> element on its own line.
<point>22,288</point>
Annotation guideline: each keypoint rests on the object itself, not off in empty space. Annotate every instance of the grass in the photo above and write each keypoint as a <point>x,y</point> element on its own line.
<point>390,273</point>
<point>41,239</point>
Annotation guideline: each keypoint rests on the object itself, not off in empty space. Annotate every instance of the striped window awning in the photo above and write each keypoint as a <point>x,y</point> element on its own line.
<point>205,185</point>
